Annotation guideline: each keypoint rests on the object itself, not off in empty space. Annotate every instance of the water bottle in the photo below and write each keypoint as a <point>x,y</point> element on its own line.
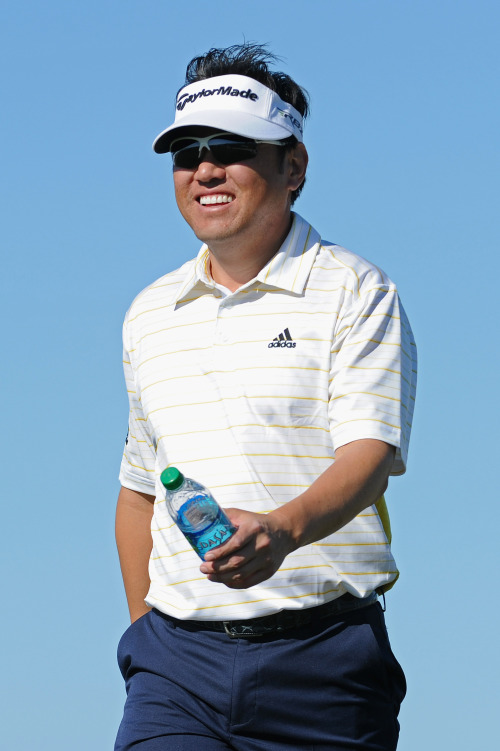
<point>196,512</point>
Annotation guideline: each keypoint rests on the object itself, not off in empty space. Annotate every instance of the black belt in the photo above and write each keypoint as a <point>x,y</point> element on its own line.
<point>277,622</point>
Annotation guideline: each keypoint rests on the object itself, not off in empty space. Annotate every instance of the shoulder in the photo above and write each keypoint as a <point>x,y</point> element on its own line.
<point>161,293</point>
<point>359,274</point>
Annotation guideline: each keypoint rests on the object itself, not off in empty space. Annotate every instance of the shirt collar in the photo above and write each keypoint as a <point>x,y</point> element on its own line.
<point>288,269</point>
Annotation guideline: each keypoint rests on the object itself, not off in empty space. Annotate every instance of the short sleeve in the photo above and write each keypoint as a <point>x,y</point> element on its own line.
<point>137,471</point>
<point>373,373</point>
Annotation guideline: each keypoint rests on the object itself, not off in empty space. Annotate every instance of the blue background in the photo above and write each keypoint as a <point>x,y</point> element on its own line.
<point>405,158</point>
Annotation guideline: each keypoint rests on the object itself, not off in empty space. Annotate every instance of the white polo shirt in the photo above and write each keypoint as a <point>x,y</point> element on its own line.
<point>251,393</point>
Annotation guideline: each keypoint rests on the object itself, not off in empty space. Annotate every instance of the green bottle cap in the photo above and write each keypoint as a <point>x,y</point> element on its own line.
<point>172,478</point>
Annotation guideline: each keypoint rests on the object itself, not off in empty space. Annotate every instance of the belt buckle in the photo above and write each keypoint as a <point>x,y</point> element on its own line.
<point>242,630</point>
<point>238,631</point>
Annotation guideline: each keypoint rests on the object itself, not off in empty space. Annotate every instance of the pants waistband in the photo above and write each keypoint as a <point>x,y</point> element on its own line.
<point>277,622</point>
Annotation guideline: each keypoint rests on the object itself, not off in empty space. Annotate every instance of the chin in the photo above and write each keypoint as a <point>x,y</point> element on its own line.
<point>209,234</point>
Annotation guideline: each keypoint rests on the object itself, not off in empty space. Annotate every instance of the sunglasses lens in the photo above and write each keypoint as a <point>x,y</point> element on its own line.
<point>186,151</point>
<point>233,151</point>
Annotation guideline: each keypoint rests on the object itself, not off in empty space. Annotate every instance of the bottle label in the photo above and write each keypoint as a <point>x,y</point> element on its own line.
<point>204,524</point>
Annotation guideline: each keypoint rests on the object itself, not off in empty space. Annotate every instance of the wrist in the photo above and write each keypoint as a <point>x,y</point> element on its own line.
<point>287,526</point>
<point>138,612</point>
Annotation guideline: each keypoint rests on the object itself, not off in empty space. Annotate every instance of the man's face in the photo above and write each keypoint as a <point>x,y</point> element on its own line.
<point>253,197</point>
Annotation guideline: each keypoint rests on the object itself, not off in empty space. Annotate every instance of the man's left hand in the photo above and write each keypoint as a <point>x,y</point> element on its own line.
<point>253,554</point>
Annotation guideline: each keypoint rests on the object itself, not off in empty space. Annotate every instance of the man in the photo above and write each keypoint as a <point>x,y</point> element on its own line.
<point>278,370</point>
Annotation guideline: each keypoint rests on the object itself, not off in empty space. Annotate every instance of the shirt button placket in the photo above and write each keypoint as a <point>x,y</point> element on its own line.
<point>222,355</point>
<point>221,333</point>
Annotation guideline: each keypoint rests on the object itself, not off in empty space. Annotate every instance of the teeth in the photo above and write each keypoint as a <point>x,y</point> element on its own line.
<point>221,198</point>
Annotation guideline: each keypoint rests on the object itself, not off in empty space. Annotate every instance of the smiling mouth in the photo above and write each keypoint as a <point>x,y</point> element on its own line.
<point>215,198</point>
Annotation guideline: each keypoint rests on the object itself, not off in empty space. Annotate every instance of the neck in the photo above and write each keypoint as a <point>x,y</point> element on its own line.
<point>233,265</point>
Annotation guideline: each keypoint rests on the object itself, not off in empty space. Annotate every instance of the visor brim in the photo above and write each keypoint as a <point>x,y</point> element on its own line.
<point>231,122</point>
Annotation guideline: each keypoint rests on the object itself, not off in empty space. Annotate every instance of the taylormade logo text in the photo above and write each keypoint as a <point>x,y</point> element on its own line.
<point>221,91</point>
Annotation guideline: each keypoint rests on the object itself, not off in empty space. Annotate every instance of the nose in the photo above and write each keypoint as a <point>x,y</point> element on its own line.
<point>209,168</point>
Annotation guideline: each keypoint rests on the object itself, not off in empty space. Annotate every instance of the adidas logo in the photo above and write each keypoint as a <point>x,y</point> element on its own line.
<point>283,340</point>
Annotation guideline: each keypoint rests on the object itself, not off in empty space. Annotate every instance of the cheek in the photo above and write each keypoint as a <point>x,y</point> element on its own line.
<point>182,180</point>
<point>181,188</point>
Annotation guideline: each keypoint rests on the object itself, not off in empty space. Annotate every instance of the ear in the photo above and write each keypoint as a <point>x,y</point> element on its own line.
<point>298,159</point>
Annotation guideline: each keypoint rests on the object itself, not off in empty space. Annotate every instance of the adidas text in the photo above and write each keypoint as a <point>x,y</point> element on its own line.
<point>282,344</point>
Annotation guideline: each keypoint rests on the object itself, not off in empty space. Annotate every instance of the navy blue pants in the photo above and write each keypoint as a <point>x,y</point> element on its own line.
<point>332,685</point>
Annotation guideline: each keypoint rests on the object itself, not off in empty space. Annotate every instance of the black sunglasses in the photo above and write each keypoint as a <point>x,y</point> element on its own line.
<point>227,148</point>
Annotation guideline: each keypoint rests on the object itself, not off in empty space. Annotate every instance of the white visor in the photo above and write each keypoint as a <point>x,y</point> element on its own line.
<point>236,104</point>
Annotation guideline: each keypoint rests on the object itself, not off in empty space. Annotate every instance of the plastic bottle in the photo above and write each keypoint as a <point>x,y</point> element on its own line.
<point>196,512</point>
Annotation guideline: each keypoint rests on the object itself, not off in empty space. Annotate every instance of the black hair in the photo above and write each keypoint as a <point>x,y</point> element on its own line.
<point>252,60</point>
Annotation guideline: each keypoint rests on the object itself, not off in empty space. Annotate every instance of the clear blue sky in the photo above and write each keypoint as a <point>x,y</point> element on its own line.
<point>405,165</point>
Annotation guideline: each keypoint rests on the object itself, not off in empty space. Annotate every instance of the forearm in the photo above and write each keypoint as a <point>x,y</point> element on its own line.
<point>133,538</point>
<point>356,479</point>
